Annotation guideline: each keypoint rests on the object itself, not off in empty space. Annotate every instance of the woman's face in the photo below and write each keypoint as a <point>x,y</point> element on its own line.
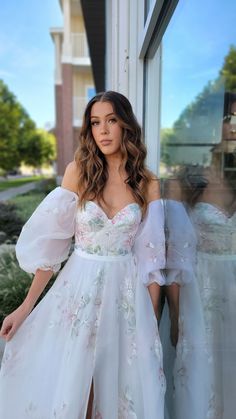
<point>106,128</point>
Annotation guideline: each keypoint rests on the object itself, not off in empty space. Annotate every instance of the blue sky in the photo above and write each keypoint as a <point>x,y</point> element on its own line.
<point>27,54</point>
<point>194,46</point>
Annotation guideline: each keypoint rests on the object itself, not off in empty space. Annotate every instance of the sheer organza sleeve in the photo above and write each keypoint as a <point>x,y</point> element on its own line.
<point>149,247</point>
<point>45,239</point>
<point>180,243</point>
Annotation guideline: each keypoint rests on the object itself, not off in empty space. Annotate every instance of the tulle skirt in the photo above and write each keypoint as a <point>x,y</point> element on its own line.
<point>216,275</point>
<point>188,366</point>
<point>96,323</point>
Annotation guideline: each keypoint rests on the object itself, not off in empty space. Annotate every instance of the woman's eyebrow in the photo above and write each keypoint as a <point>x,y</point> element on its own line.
<point>109,114</point>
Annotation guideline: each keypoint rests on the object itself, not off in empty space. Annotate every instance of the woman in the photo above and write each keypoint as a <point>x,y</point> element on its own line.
<point>182,325</point>
<point>211,199</point>
<point>204,362</point>
<point>97,323</point>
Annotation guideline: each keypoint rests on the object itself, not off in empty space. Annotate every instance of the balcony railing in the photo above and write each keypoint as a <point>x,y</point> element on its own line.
<point>79,45</point>
<point>79,104</point>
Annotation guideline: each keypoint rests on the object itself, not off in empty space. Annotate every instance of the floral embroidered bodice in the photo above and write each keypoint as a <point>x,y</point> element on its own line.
<point>95,233</point>
<point>216,232</point>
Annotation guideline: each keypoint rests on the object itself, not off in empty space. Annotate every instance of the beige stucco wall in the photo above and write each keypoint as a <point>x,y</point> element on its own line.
<point>81,79</point>
<point>77,24</point>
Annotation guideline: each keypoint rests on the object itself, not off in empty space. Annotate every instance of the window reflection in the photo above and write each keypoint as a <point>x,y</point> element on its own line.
<point>198,170</point>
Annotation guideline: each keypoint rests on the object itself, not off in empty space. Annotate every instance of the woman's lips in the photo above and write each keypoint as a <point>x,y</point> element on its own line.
<point>106,142</point>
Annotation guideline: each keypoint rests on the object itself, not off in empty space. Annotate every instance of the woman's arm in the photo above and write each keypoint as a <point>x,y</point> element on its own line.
<point>13,321</point>
<point>70,178</point>
<point>153,193</point>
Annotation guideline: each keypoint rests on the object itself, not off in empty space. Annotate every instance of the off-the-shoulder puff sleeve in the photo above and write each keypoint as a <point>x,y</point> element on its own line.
<point>45,239</point>
<point>180,243</point>
<point>149,246</point>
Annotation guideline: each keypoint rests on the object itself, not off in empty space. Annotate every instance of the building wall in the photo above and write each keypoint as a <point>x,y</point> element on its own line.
<point>125,68</point>
<point>67,113</point>
<point>72,75</point>
<point>81,80</point>
<point>59,129</point>
<point>77,24</point>
<point>177,67</point>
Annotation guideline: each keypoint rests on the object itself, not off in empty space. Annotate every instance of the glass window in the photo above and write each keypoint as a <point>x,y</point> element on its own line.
<point>91,92</point>
<point>196,89</point>
<point>148,4</point>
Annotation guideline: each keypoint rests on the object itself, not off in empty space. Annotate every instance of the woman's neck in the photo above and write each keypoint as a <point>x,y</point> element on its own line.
<point>114,164</point>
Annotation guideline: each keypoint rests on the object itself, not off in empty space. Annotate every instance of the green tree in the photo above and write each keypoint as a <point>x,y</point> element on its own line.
<point>12,120</point>
<point>15,124</point>
<point>20,140</point>
<point>167,137</point>
<point>228,71</point>
<point>40,148</point>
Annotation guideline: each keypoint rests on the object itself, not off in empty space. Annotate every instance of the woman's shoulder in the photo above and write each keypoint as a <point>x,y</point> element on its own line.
<point>71,176</point>
<point>153,188</point>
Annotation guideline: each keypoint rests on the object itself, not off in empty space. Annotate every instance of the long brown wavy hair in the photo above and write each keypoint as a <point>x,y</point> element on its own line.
<point>193,182</point>
<point>92,164</point>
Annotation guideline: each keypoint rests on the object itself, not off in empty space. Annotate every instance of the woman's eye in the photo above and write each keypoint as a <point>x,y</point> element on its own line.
<point>112,120</point>
<point>93,123</point>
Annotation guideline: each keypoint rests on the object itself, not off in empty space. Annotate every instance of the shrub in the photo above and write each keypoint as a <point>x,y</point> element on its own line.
<point>10,223</point>
<point>14,282</point>
<point>26,203</point>
<point>47,185</point>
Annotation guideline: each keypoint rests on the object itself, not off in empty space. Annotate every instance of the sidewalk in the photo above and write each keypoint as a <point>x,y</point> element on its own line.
<point>10,193</point>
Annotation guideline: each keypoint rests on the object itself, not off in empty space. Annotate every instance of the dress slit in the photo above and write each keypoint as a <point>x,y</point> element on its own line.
<point>89,408</point>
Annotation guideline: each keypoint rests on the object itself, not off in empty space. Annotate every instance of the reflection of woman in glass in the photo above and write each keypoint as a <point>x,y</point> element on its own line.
<point>97,323</point>
<point>182,323</point>
<point>211,200</point>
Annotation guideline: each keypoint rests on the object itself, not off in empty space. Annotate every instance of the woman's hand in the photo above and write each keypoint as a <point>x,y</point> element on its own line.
<point>13,321</point>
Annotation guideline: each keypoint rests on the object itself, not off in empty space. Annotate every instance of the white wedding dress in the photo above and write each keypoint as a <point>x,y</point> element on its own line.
<point>216,275</point>
<point>95,323</point>
<point>187,368</point>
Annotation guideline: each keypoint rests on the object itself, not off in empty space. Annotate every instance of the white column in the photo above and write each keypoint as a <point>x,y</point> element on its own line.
<point>123,46</point>
<point>57,72</point>
<point>113,42</point>
<point>153,111</point>
<point>136,24</point>
<point>117,61</point>
<point>67,48</point>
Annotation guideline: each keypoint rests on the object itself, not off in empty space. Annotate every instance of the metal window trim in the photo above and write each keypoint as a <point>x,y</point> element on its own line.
<point>156,23</point>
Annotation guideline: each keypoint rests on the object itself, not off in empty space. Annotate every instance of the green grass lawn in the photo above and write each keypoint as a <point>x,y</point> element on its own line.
<point>12,183</point>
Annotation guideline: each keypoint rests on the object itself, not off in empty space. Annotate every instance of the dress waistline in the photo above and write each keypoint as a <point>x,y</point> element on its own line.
<point>107,258</point>
<point>217,256</point>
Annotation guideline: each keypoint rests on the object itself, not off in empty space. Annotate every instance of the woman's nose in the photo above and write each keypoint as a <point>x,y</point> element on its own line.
<point>104,127</point>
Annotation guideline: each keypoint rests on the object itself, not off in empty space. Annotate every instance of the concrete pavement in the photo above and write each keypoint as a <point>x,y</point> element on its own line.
<point>11,192</point>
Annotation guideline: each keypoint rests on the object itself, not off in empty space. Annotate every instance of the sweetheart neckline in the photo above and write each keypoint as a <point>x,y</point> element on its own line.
<point>214,207</point>
<point>118,212</point>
